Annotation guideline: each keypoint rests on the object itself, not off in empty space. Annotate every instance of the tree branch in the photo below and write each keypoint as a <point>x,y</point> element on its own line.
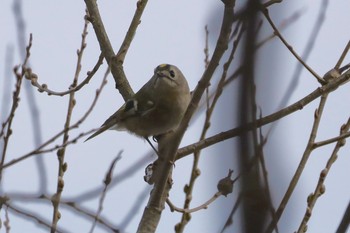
<point>107,50</point>
<point>290,48</point>
<point>331,86</point>
<point>320,187</point>
<point>169,143</point>
<point>44,88</point>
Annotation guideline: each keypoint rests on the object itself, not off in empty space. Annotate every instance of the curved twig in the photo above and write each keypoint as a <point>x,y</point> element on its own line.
<point>200,207</point>
<point>44,88</point>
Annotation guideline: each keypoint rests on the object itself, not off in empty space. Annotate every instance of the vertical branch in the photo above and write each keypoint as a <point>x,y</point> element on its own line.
<point>33,107</point>
<point>254,201</point>
<point>106,182</point>
<point>6,92</point>
<point>210,109</point>
<point>62,165</point>
<point>262,142</point>
<point>206,48</point>
<point>303,161</point>
<point>308,49</point>
<point>169,144</point>
<point>329,77</point>
<point>8,122</point>
<point>320,187</point>
<point>186,217</point>
<point>6,99</point>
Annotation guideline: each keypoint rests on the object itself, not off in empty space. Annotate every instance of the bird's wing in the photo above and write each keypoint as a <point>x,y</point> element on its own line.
<point>141,104</point>
<point>110,122</point>
<point>129,109</point>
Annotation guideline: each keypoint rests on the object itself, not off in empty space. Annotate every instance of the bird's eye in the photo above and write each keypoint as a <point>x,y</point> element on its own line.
<point>172,73</point>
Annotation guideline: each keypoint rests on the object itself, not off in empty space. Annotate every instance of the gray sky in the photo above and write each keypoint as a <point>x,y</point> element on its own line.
<point>171,32</point>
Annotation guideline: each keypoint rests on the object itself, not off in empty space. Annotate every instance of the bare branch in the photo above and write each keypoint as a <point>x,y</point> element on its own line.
<point>290,48</point>
<point>342,57</point>
<point>107,181</point>
<point>32,216</point>
<point>320,187</point>
<point>115,62</point>
<point>188,211</point>
<point>331,140</point>
<point>62,165</point>
<point>331,86</point>
<point>8,122</point>
<point>136,20</point>
<point>44,88</point>
<point>271,2</point>
<point>52,139</point>
<point>151,215</point>
<point>210,109</point>
<point>206,48</point>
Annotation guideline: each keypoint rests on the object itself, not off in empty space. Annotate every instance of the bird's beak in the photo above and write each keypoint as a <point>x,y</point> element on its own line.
<point>160,74</point>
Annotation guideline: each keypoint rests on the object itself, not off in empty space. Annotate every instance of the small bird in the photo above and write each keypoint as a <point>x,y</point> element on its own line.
<point>157,108</point>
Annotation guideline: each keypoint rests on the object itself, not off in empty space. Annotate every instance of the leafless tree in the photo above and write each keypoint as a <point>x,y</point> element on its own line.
<point>230,68</point>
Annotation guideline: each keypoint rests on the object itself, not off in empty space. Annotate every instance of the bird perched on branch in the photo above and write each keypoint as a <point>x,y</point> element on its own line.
<point>157,108</point>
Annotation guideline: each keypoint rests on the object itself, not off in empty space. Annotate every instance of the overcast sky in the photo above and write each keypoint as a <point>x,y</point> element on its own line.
<point>170,32</point>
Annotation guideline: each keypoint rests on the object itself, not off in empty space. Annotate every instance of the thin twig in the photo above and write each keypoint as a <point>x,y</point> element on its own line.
<point>6,92</point>
<point>151,214</point>
<point>200,207</point>
<point>302,163</point>
<point>260,151</point>
<point>210,109</point>
<point>290,48</point>
<point>206,48</point>
<point>59,134</point>
<point>32,216</point>
<point>259,45</point>
<point>136,20</point>
<point>295,78</point>
<point>107,50</point>
<point>331,77</point>
<point>31,101</point>
<point>90,216</point>
<point>121,177</point>
<point>62,165</point>
<point>331,86</point>
<point>107,181</point>
<point>342,57</point>
<point>229,220</point>
<point>7,220</point>
<point>331,140</point>
<point>282,26</point>
<point>8,122</point>
<point>320,187</point>
<point>84,212</point>
<point>44,87</point>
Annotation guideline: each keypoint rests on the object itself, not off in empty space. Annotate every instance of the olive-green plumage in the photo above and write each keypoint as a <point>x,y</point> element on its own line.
<point>156,108</point>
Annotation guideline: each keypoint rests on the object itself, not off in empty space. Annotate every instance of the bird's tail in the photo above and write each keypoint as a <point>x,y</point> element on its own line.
<point>100,130</point>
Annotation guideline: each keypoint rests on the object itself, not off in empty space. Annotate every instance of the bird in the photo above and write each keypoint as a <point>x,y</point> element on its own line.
<point>156,109</point>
